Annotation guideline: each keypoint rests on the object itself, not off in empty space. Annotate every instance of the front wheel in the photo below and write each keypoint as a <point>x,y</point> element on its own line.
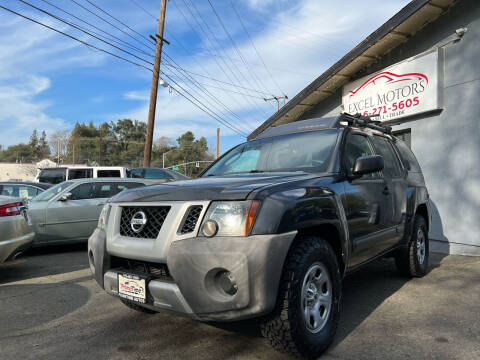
<point>308,305</point>
<point>413,261</point>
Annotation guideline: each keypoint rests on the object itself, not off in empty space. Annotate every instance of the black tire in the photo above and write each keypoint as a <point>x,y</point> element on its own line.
<point>136,307</point>
<point>286,328</point>
<point>408,262</point>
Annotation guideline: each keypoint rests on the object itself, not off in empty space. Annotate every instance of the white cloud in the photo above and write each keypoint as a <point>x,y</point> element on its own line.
<point>307,38</point>
<point>136,95</point>
<point>295,39</point>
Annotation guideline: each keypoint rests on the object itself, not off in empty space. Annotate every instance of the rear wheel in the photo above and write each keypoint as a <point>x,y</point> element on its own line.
<point>136,307</point>
<point>413,261</point>
<point>308,306</point>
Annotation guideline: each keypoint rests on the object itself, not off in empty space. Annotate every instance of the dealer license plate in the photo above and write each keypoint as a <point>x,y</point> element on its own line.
<point>132,287</point>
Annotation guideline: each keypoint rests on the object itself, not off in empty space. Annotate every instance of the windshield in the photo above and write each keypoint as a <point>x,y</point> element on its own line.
<point>50,193</point>
<point>308,151</point>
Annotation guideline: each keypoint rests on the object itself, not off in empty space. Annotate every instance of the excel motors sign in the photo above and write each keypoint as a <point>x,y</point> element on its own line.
<point>404,89</point>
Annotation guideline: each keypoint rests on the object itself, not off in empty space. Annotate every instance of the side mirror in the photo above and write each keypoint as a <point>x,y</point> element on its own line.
<point>65,197</point>
<point>367,165</point>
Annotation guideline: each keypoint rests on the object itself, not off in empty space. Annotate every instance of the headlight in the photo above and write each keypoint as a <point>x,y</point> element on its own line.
<point>229,218</point>
<point>103,219</point>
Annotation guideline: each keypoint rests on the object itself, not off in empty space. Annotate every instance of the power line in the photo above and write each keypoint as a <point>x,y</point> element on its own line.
<point>253,45</point>
<point>113,17</point>
<point>206,103</point>
<point>214,116</point>
<point>130,45</point>
<point>84,31</point>
<point>109,23</point>
<point>204,90</point>
<point>212,35</point>
<point>246,99</point>
<point>237,50</point>
<point>221,81</point>
<point>74,38</point>
<point>141,7</point>
<point>260,65</point>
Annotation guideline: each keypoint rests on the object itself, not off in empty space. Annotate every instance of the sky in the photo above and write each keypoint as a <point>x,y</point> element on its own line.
<point>49,82</point>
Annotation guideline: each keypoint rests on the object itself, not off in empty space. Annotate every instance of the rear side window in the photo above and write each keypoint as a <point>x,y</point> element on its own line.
<point>93,191</point>
<point>80,173</point>
<point>108,173</point>
<point>136,173</point>
<point>392,165</point>
<point>407,156</point>
<point>52,176</point>
<point>156,174</point>
<point>23,191</point>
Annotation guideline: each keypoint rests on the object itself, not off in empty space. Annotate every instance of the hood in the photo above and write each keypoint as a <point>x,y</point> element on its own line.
<point>232,187</point>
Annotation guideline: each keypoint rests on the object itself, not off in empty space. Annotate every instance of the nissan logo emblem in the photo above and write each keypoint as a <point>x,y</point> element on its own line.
<point>138,222</point>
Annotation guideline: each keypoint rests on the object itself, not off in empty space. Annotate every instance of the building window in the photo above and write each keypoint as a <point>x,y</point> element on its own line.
<point>405,135</point>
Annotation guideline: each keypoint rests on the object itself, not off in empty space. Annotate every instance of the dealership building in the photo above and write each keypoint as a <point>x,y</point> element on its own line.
<point>420,72</point>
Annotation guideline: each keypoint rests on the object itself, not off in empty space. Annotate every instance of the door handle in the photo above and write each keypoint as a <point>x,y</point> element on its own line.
<point>385,191</point>
<point>101,203</point>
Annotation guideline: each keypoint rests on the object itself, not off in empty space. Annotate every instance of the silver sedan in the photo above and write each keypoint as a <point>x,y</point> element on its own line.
<point>15,234</point>
<point>69,211</point>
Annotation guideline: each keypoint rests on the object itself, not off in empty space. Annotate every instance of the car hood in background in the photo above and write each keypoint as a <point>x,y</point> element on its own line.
<point>234,187</point>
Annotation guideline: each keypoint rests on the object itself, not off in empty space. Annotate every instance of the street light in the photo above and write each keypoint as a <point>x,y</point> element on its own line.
<point>163,157</point>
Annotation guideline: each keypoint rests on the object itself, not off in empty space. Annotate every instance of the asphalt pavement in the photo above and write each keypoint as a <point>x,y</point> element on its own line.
<point>51,308</point>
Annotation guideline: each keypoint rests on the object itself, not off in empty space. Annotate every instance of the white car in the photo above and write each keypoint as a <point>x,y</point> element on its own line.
<point>15,233</point>
<point>58,174</point>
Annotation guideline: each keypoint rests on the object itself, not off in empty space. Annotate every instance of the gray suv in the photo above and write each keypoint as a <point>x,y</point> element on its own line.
<point>269,230</point>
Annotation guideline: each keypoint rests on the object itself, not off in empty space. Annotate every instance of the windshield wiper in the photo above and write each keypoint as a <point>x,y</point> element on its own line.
<point>256,171</point>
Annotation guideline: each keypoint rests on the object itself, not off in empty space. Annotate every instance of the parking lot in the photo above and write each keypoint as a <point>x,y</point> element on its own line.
<point>51,308</point>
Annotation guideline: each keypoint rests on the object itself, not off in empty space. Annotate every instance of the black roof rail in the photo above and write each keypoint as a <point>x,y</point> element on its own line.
<point>359,120</point>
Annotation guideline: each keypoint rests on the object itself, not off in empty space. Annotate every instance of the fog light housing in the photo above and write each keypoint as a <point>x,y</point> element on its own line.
<point>227,282</point>
<point>210,228</point>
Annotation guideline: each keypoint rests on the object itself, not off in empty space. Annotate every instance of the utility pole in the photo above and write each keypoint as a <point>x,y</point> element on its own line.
<point>147,154</point>
<point>218,142</point>
<point>277,98</point>
<point>100,148</point>
<point>58,152</point>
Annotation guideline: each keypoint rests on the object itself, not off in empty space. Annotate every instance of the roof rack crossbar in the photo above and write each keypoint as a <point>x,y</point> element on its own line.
<point>359,120</point>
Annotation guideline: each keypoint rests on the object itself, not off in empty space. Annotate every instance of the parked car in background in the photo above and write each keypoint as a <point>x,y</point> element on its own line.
<point>59,174</point>
<point>156,173</point>
<point>24,190</point>
<point>69,212</point>
<point>15,234</point>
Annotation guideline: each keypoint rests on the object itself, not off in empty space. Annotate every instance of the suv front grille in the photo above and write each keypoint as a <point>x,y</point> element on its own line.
<point>155,270</point>
<point>155,217</point>
<point>191,218</point>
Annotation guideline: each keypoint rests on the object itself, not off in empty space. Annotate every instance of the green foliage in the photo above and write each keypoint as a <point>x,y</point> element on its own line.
<point>35,150</point>
<point>18,153</point>
<point>119,143</point>
<point>188,150</point>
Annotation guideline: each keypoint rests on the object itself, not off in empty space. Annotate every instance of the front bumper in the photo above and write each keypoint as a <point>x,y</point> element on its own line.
<point>255,262</point>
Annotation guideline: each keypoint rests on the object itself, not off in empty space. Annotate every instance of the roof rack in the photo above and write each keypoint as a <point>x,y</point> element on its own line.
<point>359,120</point>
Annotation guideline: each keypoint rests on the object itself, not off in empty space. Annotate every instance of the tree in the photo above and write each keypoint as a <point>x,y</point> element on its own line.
<point>20,153</point>
<point>34,140</point>
<point>59,141</point>
<point>43,148</point>
<point>189,150</point>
